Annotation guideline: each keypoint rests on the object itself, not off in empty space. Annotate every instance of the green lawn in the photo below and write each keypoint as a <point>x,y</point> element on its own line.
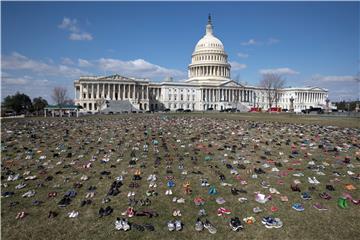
<point>217,129</point>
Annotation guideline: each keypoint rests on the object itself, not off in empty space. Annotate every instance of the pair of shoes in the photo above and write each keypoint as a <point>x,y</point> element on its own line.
<point>199,201</point>
<point>236,224</point>
<point>199,225</point>
<point>52,214</point>
<point>150,193</point>
<point>211,228</point>
<point>20,186</point>
<point>105,212</point>
<point>320,207</point>
<point>152,184</point>
<point>170,183</point>
<point>90,195</point>
<point>151,178</point>
<point>212,190</point>
<point>220,200</point>
<point>274,191</point>
<point>261,198</point>
<point>178,200</point>
<point>257,210</point>
<point>204,183</point>
<point>242,199</point>
<point>168,192</point>
<point>342,203</point>
<point>85,202</point>
<point>295,188</point>
<point>122,224</point>
<point>325,195</point>
<point>21,215</point>
<point>330,187</point>
<point>298,207</point>
<point>131,194</point>
<point>306,196</point>
<point>73,214</point>
<point>271,222</point>
<point>202,212</point>
<point>249,220</point>
<point>29,193</point>
<point>313,180</point>
<point>174,225</point>
<point>284,198</point>
<point>129,212</point>
<point>176,213</point>
<point>221,211</point>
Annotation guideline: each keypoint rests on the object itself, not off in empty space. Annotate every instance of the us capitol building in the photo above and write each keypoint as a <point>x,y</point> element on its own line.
<point>209,85</point>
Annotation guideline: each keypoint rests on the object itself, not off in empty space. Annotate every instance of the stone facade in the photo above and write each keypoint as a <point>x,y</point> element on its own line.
<point>209,86</point>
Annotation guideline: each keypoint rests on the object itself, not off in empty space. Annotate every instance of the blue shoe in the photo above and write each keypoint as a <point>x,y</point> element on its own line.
<point>298,207</point>
<point>306,196</point>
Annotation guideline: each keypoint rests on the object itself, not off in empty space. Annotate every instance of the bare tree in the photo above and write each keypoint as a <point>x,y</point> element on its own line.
<point>59,95</point>
<point>100,102</point>
<point>272,84</point>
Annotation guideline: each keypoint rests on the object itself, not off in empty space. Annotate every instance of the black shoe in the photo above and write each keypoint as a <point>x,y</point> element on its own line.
<point>101,212</point>
<point>330,187</point>
<point>108,210</point>
<point>138,227</point>
<point>149,227</point>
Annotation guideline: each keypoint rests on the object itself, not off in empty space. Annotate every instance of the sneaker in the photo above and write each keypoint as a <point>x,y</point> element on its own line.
<point>257,210</point>
<point>298,207</point>
<point>171,226</point>
<point>306,196</point>
<point>210,227</point>
<point>118,224</point>
<point>273,223</point>
<point>221,211</point>
<point>202,212</point>
<point>220,200</point>
<point>178,225</point>
<point>125,225</point>
<point>319,207</point>
<point>199,226</point>
<point>236,224</point>
<point>325,195</point>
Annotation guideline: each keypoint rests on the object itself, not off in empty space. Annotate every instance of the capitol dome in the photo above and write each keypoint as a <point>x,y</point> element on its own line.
<point>209,63</point>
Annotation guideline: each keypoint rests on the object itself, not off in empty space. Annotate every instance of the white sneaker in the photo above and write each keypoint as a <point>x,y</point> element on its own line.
<point>170,192</point>
<point>311,181</point>
<point>129,194</point>
<point>316,181</point>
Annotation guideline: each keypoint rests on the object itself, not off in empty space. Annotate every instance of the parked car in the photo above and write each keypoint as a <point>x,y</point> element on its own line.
<point>167,110</point>
<point>179,110</point>
<point>187,110</point>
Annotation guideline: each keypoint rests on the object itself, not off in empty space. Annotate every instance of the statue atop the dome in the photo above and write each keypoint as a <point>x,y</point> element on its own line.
<point>209,19</point>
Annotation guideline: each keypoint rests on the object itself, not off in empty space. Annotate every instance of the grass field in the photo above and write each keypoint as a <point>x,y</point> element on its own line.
<point>182,134</point>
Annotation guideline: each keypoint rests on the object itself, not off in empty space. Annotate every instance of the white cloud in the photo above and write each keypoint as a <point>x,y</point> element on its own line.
<point>16,61</point>
<point>137,68</point>
<point>235,66</point>
<point>334,79</point>
<point>250,42</point>
<point>280,71</point>
<point>67,61</point>
<point>243,55</point>
<point>272,41</point>
<point>84,63</point>
<point>80,36</point>
<point>76,33</point>
<point>69,24</point>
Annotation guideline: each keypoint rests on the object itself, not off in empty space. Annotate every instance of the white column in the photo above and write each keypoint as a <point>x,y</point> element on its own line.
<point>97,91</point>
<point>92,91</point>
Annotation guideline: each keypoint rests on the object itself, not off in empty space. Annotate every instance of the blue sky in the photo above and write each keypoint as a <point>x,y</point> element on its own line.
<point>52,44</point>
